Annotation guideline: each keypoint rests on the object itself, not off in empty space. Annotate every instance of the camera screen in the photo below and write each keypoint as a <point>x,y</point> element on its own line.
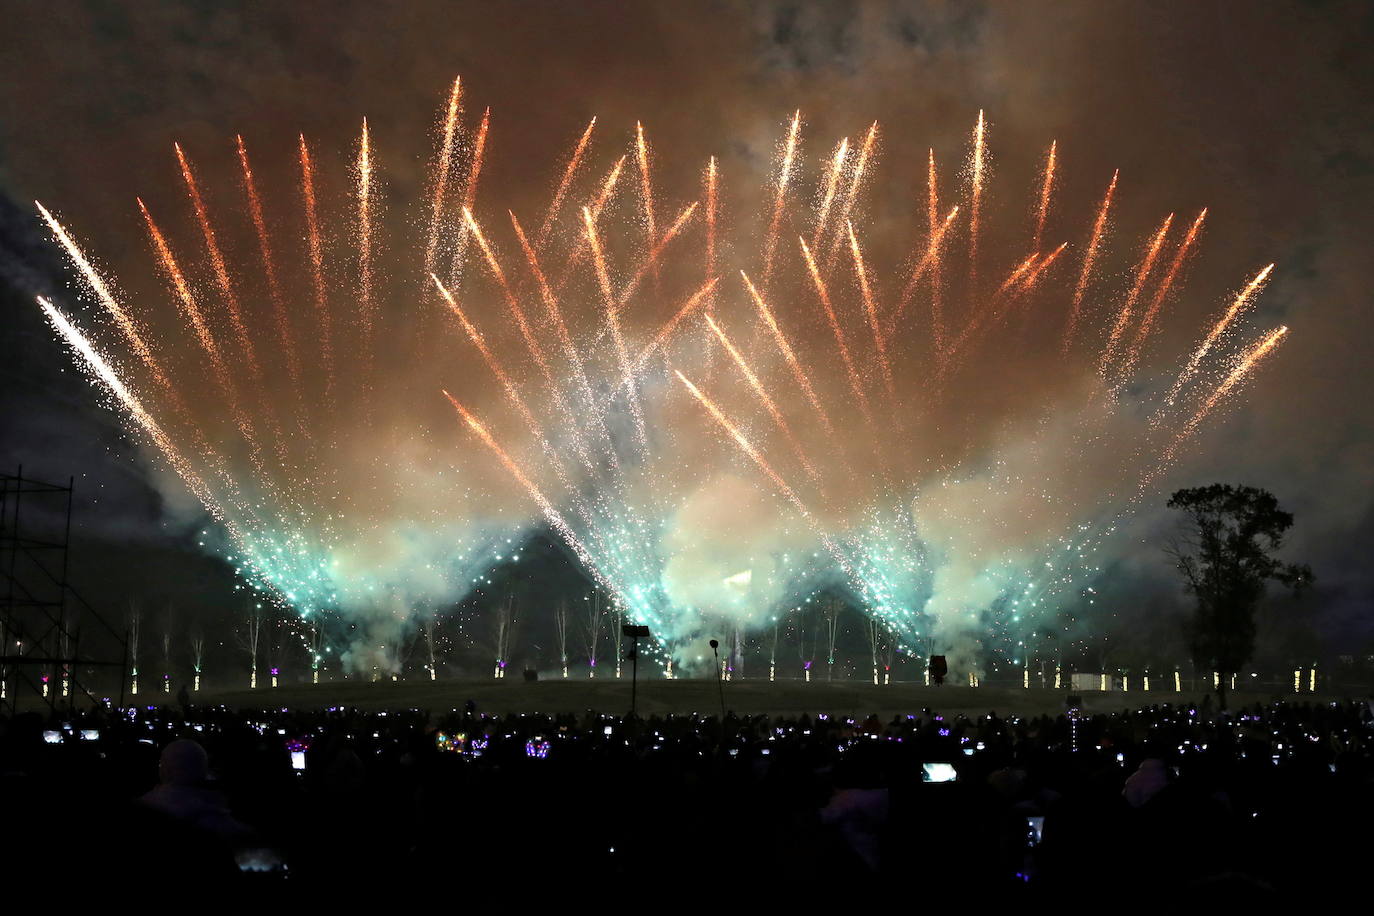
<point>938,772</point>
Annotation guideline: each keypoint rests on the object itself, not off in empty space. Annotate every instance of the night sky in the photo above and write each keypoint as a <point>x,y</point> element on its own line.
<point>1261,112</point>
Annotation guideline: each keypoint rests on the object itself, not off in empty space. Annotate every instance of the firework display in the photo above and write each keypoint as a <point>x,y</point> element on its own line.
<point>720,413</point>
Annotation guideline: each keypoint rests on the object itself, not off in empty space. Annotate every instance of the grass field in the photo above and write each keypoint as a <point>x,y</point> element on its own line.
<point>685,696</point>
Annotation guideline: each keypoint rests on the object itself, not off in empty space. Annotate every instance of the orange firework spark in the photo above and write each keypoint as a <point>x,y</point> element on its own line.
<point>312,225</point>
<point>191,309</point>
<point>140,347</point>
<point>293,366</point>
<point>852,193</point>
<point>651,261</point>
<point>557,203</point>
<point>608,187</point>
<point>764,398</point>
<point>1014,289</point>
<point>123,320</point>
<point>102,370</point>
<point>1239,371</point>
<point>870,309</point>
<point>1046,191</point>
<point>1242,301</point>
<point>929,262</point>
<point>704,293</point>
<point>783,487</point>
<point>365,304</point>
<point>479,148</point>
<point>555,518</point>
<point>832,184</point>
<point>603,197</point>
<point>780,197</point>
<point>787,353</point>
<point>977,175</point>
<point>613,323</point>
<point>512,393</point>
<point>712,204</point>
<point>937,318</point>
<point>987,317</point>
<point>445,160</point>
<point>550,302</point>
<point>823,294</point>
<point>565,338</point>
<point>1123,318</point>
<point>526,331</point>
<point>1089,257</point>
<point>217,263</point>
<point>1152,312</point>
<point>645,184</point>
<point>745,445</point>
<point>1027,282</point>
<point>492,362</point>
<point>1039,269</point>
<point>1018,273</point>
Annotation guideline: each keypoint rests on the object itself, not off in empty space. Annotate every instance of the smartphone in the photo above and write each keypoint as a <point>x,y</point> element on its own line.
<point>1035,828</point>
<point>298,760</point>
<point>938,772</point>
<point>52,736</point>
<point>90,734</point>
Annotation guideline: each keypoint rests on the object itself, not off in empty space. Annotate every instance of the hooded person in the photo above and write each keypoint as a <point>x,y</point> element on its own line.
<point>184,794</point>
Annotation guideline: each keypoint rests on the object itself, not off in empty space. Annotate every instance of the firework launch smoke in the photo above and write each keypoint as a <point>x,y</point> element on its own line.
<point>719,412</point>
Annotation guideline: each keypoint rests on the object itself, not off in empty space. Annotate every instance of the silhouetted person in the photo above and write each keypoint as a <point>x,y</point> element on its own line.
<point>184,793</point>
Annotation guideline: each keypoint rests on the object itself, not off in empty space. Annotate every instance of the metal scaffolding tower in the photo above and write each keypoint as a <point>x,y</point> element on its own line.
<point>41,616</point>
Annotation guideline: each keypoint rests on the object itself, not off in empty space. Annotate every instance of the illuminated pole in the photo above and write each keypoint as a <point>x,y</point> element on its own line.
<point>635,631</point>
<point>720,685</point>
<point>135,625</point>
<point>68,652</point>
<point>773,655</point>
<point>618,632</point>
<point>197,657</point>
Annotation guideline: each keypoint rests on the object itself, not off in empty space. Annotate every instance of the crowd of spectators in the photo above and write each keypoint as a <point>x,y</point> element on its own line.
<point>1164,804</point>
